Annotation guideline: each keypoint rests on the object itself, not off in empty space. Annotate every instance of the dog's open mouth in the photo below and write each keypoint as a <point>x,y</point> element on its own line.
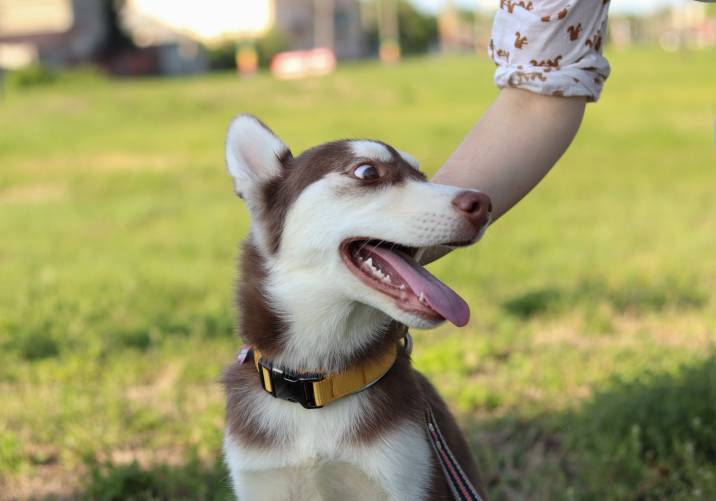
<point>391,269</point>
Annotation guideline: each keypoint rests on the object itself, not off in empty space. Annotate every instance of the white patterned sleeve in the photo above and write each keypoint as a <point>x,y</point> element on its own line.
<point>551,47</point>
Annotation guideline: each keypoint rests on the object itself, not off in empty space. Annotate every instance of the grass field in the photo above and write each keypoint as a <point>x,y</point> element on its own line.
<point>587,372</point>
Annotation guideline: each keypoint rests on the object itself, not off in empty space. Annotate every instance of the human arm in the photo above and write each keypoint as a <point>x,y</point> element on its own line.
<point>513,146</point>
<point>549,65</point>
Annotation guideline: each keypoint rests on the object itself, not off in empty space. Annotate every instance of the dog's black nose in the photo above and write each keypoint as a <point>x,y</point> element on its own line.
<point>475,206</point>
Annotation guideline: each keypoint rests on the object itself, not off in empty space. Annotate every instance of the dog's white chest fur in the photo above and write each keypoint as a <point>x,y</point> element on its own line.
<point>320,481</point>
<point>317,461</point>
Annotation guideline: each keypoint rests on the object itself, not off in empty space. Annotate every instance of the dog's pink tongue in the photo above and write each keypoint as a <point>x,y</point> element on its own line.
<point>438,296</point>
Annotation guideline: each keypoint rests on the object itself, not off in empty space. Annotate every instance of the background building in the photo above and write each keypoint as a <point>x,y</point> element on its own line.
<point>56,32</point>
<point>334,24</point>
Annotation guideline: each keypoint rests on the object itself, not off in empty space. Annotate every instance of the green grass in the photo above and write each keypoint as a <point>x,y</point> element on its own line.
<point>587,372</point>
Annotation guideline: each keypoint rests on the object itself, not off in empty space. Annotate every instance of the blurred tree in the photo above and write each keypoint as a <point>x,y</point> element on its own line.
<point>269,45</point>
<point>117,38</point>
<point>417,32</point>
<point>223,57</point>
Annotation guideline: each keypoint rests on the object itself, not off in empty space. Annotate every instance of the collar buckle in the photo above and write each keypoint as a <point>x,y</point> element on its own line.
<point>291,387</point>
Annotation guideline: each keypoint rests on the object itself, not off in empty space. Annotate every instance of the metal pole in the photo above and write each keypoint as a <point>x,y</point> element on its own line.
<point>388,31</point>
<point>323,21</point>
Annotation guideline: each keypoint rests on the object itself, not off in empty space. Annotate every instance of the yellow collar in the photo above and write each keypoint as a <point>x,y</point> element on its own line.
<point>316,390</point>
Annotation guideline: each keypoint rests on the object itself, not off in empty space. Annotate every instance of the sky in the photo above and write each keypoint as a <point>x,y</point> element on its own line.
<point>618,6</point>
<point>212,20</point>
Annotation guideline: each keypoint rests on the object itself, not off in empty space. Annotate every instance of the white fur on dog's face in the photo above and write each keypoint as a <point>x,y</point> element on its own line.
<point>308,283</point>
<point>414,214</point>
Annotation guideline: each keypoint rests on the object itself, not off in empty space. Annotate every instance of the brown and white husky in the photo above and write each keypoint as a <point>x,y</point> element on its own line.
<point>328,284</point>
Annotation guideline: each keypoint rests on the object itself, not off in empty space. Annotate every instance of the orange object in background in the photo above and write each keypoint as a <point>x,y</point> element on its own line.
<point>389,51</point>
<point>303,63</point>
<point>247,60</point>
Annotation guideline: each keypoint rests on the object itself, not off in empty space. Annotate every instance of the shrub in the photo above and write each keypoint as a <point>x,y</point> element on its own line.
<point>132,482</point>
<point>35,75</point>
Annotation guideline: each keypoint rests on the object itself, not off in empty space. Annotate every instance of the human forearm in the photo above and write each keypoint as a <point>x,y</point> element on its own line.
<point>516,142</point>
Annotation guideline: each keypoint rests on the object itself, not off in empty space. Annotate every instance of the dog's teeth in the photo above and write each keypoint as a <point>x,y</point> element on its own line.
<point>422,299</point>
<point>376,272</point>
<point>402,287</point>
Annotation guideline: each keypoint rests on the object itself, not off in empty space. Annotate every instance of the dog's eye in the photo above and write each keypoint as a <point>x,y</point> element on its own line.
<point>366,172</point>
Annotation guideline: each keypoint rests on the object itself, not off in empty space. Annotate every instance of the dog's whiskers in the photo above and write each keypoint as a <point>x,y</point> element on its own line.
<point>367,242</point>
<point>361,247</point>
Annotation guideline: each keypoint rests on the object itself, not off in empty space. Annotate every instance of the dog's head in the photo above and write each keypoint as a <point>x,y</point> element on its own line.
<point>341,224</point>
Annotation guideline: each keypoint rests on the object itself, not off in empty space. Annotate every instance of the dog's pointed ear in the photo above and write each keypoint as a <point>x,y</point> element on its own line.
<point>254,154</point>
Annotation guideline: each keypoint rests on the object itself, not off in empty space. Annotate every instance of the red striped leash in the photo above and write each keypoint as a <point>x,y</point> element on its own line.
<point>458,482</point>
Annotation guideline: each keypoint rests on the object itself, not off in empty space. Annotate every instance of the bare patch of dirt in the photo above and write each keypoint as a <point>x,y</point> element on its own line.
<point>33,193</point>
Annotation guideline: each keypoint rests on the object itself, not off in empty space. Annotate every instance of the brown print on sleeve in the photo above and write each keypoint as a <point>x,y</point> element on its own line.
<point>547,63</point>
<point>595,42</point>
<point>557,46</point>
<point>510,6</point>
<point>574,31</point>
